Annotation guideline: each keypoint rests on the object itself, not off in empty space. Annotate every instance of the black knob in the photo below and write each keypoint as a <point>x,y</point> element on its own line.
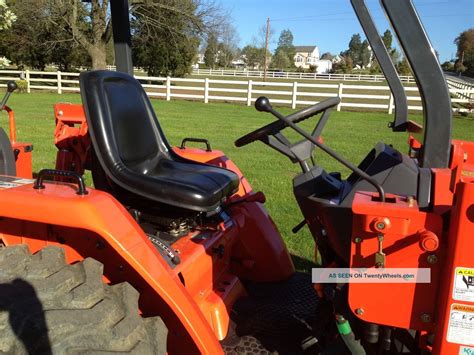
<point>11,86</point>
<point>263,104</point>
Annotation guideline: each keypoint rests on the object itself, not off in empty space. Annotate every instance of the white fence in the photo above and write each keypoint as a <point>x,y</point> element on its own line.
<point>296,75</point>
<point>461,89</point>
<point>374,97</point>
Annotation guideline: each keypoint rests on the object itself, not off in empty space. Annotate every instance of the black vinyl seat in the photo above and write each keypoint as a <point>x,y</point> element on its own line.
<point>133,152</point>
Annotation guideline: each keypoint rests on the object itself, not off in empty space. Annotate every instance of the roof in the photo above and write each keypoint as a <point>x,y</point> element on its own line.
<point>305,49</point>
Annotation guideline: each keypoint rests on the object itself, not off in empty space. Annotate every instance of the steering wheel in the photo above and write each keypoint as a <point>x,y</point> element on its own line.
<point>263,104</point>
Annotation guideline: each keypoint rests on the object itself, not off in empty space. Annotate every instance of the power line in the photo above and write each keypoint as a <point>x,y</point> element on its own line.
<point>322,16</point>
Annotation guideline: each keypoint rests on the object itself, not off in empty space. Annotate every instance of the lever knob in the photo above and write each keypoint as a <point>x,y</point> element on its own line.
<point>263,104</point>
<point>11,86</point>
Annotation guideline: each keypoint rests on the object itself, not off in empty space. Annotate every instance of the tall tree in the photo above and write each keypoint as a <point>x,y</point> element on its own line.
<point>355,48</point>
<point>168,49</point>
<point>465,52</point>
<point>387,39</point>
<point>228,45</point>
<point>88,25</point>
<point>327,56</point>
<point>403,67</point>
<point>285,49</point>
<point>253,56</point>
<point>212,51</point>
<point>280,60</point>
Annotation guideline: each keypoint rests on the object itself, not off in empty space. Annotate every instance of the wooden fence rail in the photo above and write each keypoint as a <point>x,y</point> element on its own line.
<point>370,97</point>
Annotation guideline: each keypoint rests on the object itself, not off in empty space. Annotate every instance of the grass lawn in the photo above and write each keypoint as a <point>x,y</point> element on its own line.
<point>352,134</point>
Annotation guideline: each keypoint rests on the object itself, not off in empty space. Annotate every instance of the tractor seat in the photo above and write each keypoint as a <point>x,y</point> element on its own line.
<point>134,154</point>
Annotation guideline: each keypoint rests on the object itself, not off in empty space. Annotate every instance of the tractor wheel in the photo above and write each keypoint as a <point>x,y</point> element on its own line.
<point>50,307</point>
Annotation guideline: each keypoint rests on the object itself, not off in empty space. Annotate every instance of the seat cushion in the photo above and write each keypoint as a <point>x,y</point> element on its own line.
<point>190,184</point>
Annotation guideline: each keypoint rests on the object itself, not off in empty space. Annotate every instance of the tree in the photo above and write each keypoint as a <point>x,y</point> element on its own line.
<point>169,49</point>
<point>280,60</point>
<point>344,66</point>
<point>87,25</point>
<point>355,49</point>
<point>257,46</point>
<point>387,39</point>
<point>285,49</point>
<point>211,52</point>
<point>253,56</point>
<point>38,43</point>
<point>7,18</point>
<point>228,46</point>
<point>465,52</point>
<point>327,56</point>
<point>403,67</point>
<point>448,66</point>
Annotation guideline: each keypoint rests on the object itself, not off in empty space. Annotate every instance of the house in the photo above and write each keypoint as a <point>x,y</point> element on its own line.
<point>307,56</point>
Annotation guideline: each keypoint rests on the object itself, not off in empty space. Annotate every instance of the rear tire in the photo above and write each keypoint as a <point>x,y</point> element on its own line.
<point>48,306</point>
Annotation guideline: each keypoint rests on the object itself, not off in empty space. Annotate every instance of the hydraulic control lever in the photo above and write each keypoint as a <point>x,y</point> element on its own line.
<point>11,86</point>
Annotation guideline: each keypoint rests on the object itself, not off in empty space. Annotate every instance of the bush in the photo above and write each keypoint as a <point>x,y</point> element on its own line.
<point>22,85</point>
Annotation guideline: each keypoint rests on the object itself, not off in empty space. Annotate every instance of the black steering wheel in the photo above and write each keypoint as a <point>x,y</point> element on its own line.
<point>263,104</point>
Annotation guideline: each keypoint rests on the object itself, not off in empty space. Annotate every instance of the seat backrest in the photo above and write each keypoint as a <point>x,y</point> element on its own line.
<point>123,126</point>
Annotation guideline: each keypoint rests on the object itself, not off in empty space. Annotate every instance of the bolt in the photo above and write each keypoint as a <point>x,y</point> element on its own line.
<point>411,201</point>
<point>357,240</point>
<point>425,317</point>
<point>432,259</point>
<point>359,311</point>
<point>465,156</point>
<point>380,225</point>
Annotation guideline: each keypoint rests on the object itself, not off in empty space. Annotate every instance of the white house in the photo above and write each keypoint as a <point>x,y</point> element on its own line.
<point>307,56</point>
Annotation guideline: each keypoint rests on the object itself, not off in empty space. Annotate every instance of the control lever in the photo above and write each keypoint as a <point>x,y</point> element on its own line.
<point>380,255</point>
<point>264,105</point>
<point>298,227</point>
<point>11,86</point>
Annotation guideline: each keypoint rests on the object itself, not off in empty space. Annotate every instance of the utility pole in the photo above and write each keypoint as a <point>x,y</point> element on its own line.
<point>266,50</point>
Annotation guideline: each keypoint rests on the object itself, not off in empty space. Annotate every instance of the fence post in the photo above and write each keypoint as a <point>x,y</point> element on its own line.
<point>60,90</point>
<point>390,104</point>
<point>249,93</point>
<point>295,92</point>
<point>340,96</point>
<point>168,88</point>
<point>206,90</point>
<point>27,78</point>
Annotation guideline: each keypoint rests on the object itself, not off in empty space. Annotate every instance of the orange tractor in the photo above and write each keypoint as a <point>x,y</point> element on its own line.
<point>173,252</point>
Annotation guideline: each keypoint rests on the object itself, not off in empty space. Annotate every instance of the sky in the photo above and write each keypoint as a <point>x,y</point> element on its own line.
<point>329,24</point>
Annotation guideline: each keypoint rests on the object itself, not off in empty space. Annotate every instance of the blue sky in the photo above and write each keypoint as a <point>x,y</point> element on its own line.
<point>329,24</point>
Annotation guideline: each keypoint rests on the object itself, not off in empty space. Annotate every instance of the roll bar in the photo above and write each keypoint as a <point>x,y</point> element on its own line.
<point>122,37</point>
<point>437,111</point>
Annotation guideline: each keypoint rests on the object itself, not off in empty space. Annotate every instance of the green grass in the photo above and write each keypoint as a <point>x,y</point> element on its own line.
<point>352,134</point>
